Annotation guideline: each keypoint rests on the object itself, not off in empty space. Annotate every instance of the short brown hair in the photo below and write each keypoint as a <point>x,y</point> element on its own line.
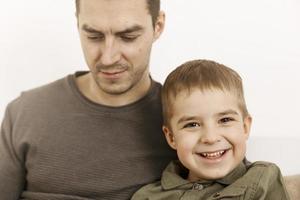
<point>204,75</point>
<point>153,8</point>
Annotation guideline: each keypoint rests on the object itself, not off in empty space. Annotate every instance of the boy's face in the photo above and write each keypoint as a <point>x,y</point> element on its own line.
<point>209,133</point>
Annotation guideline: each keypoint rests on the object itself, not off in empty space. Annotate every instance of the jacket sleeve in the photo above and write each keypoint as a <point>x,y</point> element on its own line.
<point>271,185</point>
<point>12,172</point>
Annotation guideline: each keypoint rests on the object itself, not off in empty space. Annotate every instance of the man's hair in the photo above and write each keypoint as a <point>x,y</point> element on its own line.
<point>152,5</point>
<point>203,75</point>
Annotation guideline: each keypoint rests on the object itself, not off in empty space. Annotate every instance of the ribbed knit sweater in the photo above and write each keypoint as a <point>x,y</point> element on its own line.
<point>56,144</point>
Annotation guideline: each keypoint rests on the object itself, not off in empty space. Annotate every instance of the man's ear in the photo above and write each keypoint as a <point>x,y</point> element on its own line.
<point>170,137</point>
<point>247,125</point>
<point>159,25</point>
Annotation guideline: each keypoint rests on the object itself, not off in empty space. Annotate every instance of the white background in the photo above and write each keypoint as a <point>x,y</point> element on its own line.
<point>258,38</point>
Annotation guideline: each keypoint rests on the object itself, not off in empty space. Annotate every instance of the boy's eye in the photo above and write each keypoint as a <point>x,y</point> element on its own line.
<point>191,125</point>
<point>226,120</point>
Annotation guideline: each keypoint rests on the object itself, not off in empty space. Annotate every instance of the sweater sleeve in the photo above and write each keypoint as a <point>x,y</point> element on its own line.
<point>12,173</point>
<point>271,185</point>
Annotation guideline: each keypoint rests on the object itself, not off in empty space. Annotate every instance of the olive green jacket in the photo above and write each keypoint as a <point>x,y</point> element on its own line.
<point>256,181</point>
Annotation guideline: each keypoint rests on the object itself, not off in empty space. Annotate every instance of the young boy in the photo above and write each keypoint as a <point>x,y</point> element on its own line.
<point>206,121</point>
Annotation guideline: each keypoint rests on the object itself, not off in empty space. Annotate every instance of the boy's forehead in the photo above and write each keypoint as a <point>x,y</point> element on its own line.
<point>202,98</point>
<point>188,91</point>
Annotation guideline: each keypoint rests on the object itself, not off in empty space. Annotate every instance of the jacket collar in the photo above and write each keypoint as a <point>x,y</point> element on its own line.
<point>174,176</point>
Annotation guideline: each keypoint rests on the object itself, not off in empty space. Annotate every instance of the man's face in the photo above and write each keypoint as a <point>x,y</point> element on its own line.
<point>116,38</point>
<point>209,133</point>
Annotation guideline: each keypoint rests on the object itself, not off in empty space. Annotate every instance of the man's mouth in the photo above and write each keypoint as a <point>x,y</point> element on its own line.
<point>112,74</point>
<point>213,155</point>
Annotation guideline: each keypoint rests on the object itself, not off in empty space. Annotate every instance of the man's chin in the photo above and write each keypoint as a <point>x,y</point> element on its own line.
<point>114,89</point>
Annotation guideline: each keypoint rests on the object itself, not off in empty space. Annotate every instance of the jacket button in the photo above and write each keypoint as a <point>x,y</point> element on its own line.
<point>216,195</point>
<point>198,186</point>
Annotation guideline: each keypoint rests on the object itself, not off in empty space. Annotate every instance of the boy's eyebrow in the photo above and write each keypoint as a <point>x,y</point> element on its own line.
<point>134,28</point>
<point>227,112</point>
<point>187,118</point>
<point>191,118</point>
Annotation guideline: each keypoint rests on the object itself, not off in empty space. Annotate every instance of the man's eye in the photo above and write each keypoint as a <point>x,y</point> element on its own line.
<point>95,38</point>
<point>129,38</point>
<point>191,125</point>
<point>226,120</point>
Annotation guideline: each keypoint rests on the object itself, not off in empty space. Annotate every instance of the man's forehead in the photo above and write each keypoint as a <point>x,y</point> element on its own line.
<point>114,6</point>
<point>114,17</point>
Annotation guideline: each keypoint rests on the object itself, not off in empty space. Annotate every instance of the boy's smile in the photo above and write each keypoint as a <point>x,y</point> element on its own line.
<point>212,155</point>
<point>209,132</point>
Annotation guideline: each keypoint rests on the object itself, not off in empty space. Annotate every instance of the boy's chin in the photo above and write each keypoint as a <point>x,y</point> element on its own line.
<point>210,174</point>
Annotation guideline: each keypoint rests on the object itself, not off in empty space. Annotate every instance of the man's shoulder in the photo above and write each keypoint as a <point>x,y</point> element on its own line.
<point>46,89</point>
<point>41,95</point>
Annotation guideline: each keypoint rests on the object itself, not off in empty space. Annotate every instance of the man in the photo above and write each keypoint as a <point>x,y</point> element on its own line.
<point>96,134</point>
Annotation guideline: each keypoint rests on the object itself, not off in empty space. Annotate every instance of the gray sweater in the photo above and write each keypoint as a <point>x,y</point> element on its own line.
<point>56,144</point>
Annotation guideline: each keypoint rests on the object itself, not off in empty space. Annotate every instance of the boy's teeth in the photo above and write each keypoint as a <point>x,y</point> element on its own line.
<point>212,155</point>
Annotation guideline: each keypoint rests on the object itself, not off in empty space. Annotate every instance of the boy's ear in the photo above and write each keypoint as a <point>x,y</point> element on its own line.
<point>170,137</point>
<point>159,25</point>
<point>247,125</point>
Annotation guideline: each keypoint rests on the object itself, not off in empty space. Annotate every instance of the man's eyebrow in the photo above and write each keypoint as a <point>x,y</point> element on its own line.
<point>89,29</point>
<point>134,28</point>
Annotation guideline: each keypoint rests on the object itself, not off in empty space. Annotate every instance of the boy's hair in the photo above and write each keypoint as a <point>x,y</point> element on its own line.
<point>152,5</point>
<point>203,75</point>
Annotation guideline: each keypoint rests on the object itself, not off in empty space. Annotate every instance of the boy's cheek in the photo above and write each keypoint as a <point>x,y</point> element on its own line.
<point>184,147</point>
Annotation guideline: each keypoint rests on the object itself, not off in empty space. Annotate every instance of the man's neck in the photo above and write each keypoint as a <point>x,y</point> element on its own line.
<point>88,87</point>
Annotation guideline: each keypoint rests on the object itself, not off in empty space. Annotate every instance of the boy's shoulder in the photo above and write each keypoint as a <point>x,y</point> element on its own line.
<point>148,191</point>
<point>168,188</point>
<point>260,170</point>
<point>262,164</point>
<point>262,179</point>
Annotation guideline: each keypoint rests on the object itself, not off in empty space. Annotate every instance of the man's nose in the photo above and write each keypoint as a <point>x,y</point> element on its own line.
<point>110,52</point>
<point>209,136</point>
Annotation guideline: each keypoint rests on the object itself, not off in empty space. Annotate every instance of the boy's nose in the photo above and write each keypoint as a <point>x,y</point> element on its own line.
<point>209,136</point>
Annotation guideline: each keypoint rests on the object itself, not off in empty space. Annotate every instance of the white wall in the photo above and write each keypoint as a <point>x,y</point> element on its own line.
<point>258,38</point>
